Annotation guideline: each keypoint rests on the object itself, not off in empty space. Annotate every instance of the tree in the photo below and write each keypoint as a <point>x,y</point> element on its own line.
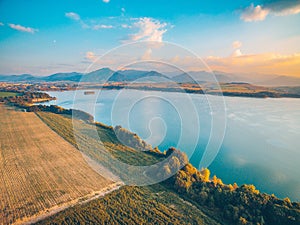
<point>235,186</point>
<point>215,180</point>
<point>231,188</point>
<point>287,200</point>
<point>206,174</point>
<point>242,221</point>
<point>190,169</point>
<point>249,188</point>
<point>203,196</point>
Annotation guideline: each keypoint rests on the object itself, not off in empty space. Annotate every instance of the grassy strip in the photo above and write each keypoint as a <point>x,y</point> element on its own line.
<point>8,94</point>
<point>134,205</point>
<point>102,145</point>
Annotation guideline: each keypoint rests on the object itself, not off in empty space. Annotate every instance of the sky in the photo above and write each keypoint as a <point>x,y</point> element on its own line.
<point>42,37</point>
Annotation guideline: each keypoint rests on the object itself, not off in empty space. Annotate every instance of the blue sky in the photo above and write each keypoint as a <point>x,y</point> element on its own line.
<point>43,36</point>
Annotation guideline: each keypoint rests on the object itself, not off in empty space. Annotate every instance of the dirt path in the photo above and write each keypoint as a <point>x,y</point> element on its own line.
<point>81,200</point>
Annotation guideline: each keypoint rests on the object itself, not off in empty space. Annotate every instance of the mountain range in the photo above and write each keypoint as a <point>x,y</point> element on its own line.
<point>108,75</point>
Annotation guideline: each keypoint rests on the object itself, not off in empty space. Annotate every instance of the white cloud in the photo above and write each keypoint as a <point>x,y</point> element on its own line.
<point>1,24</point>
<point>274,7</point>
<point>252,13</point>
<point>237,44</point>
<point>237,53</point>
<point>88,24</point>
<point>90,56</point>
<point>102,26</point>
<point>149,30</point>
<point>106,1</point>
<point>126,26</point>
<point>22,28</point>
<point>147,55</point>
<point>72,15</point>
<point>289,11</point>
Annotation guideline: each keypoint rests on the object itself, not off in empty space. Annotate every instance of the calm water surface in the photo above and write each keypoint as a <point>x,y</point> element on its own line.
<point>261,140</point>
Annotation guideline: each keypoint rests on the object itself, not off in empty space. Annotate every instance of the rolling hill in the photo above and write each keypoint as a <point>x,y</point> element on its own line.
<point>107,75</point>
<point>282,81</point>
<point>73,76</point>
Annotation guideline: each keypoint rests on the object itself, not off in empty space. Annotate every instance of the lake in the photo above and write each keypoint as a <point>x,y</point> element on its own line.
<point>259,138</point>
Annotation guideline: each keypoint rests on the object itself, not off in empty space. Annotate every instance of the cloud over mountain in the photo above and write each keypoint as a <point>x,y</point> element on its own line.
<point>149,29</point>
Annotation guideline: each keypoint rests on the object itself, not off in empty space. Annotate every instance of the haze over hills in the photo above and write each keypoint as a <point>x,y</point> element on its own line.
<point>108,75</point>
<point>73,76</point>
<point>203,76</point>
<point>136,75</point>
<point>282,80</point>
<point>17,78</point>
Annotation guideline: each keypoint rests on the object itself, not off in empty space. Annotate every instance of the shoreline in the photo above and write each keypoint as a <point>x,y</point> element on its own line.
<point>244,90</point>
<point>258,95</point>
<point>131,89</point>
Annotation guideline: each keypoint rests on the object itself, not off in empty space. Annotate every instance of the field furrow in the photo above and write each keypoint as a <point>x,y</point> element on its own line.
<point>39,170</point>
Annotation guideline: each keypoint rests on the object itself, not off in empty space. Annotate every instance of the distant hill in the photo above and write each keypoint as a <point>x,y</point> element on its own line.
<point>203,76</point>
<point>73,76</point>
<point>258,79</point>
<point>108,75</point>
<point>282,81</point>
<point>137,75</point>
<point>98,76</point>
<point>17,78</point>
